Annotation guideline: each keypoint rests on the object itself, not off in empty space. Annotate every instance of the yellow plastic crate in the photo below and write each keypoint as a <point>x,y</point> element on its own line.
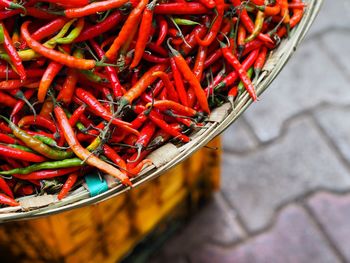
<point>106,232</point>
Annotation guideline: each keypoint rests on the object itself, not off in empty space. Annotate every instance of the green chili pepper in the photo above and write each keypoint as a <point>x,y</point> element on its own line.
<point>73,34</point>
<point>2,37</point>
<point>185,22</point>
<point>67,163</point>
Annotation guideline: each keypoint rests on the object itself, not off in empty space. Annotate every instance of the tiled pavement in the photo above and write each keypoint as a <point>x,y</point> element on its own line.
<point>285,193</point>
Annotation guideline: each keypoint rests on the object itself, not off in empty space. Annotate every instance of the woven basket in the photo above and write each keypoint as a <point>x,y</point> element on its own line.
<point>170,155</point>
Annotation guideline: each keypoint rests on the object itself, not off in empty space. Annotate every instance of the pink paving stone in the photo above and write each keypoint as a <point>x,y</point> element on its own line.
<point>333,212</point>
<point>293,239</point>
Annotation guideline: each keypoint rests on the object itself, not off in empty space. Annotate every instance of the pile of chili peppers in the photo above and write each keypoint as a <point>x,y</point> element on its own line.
<point>95,86</point>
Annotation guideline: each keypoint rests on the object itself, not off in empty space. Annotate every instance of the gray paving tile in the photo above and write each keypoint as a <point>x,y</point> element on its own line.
<point>238,138</point>
<point>336,125</point>
<point>258,183</point>
<point>338,44</point>
<point>334,14</point>
<point>333,212</point>
<point>294,238</point>
<point>309,79</point>
<point>215,223</point>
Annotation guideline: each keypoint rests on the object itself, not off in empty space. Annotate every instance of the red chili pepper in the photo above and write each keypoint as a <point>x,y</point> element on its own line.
<point>51,71</point>
<point>191,39</point>
<point>20,154</point>
<point>230,58</point>
<point>165,105</point>
<point>163,30</point>
<point>76,115</point>
<point>97,29</point>
<point>93,8</point>
<point>49,29</point>
<point>181,9</point>
<point>144,33</point>
<point>179,84</point>
<point>294,20</point>
<point>129,24</point>
<point>7,100</point>
<point>54,55</point>
<point>39,121</point>
<point>191,78</point>
<point>67,91</point>
<point>19,105</point>
<point>153,59</point>
<point>260,61</point>
<point>171,92</point>
<point>200,60</point>
<point>47,174</point>
<point>208,3</point>
<point>145,136</point>
<point>99,110</point>
<point>68,3</point>
<point>12,52</point>
<point>233,76</point>
<point>215,28</point>
<point>114,157</point>
<point>5,72</point>
<point>158,120</point>
<point>135,91</point>
<point>46,109</point>
<point>6,200</point>
<point>71,180</point>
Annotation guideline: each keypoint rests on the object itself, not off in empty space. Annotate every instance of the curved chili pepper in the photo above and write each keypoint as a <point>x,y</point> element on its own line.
<point>135,91</point>
<point>181,9</point>
<point>259,21</point>
<point>144,33</point>
<point>51,71</point>
<point>157,119</point>
<point>233,61</point>
<point>163,30</point>
<point>49,29</point>
<point>12,52</point>
<point>191,78</point>
<point>174,106</point>
<point>171,92</point>
<point>233,76</point>
<point>215,28</point>
<point>45,174</point>
<point>23,100</point>
<point>59,57</point>
<point>129,24</point>
<point>81,152</point>
<point>200,60</point>
<point>37,120</point>
<point>260,61</point>
<point>7,100</point>
<point>294,20</point>
<point>114,157</point>
<point>92,8</point>
<point>46,109</point>
<point>73,34</point>
<point>270,10</point>
<point>71,180</point>
<point>95,30</point>
<point>99,110</point>
<point>6,200</point>
<point>20,154</point>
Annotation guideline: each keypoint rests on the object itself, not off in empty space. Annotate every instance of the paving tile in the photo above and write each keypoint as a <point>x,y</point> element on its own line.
<point>238,138</point>
<point>308,79</point>
<point>256,184</point>
<point>214,223</point>
<point>294,238</point>
<point>339,49</point>
<point>333,212</point>
<point>334,121</point>
<point>333,14</point>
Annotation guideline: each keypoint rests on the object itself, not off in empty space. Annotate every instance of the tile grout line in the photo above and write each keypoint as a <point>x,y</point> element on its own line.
<point>324,233</point>
<point>330,143</point>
